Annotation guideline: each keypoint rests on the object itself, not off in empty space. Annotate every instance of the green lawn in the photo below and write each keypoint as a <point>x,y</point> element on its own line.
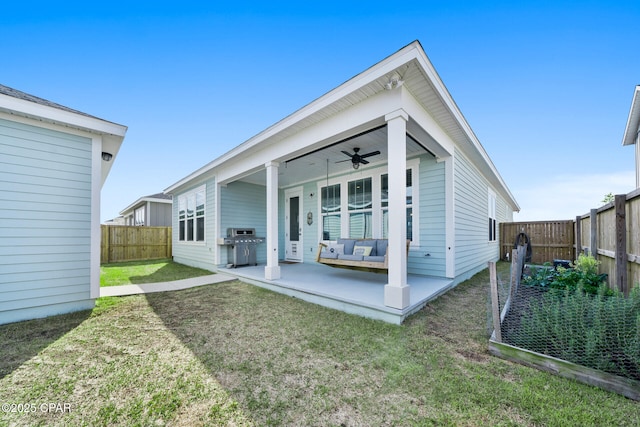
<point>235,354</point>
<point>137,272</point>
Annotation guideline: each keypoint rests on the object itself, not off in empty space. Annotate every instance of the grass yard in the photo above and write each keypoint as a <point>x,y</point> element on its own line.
<point>235,354</point>
<point>137,272</point>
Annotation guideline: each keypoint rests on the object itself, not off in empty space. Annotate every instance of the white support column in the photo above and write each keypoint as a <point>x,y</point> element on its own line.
<point>272,270</point>
<point>396,292</point>
<point>449,209</point>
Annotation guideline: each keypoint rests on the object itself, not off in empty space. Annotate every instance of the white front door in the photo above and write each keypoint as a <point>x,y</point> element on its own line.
<point>293,224</point>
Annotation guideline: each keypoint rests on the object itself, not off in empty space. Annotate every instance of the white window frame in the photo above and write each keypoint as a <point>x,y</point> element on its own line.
<point>184,201</point>
<point>492,217</point>
<point>376,176</point>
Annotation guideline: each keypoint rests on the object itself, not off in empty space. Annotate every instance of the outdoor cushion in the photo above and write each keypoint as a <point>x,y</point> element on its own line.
<point>351,257</point>
<point>374,258</point>
<point>334,248</point>
<point>371,243</point>
<point>381,247</point>
<point>327,254</point>
<point>362,250</point>
<point>348,245</point>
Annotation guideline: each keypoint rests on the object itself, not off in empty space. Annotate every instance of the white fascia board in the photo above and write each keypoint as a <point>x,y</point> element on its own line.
<point>633,121</point>
<point>143,200</point>
<point>388,65</point>
<point>446,97</point>
<point>369,113</point>
<point>61,117</point>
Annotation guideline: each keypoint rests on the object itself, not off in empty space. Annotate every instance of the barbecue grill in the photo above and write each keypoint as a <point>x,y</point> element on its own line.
<point>241,246</point>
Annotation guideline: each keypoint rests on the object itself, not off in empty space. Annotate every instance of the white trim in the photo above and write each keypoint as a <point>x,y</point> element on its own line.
<point>194,191</point>
<point>96,185</point>
<point>218,222</point>
<point>375,174</point>
<point>288,194</point>
<point>450,222</point>
<point>145,199</point>
<point>272,269</point>
<point>60,117</point>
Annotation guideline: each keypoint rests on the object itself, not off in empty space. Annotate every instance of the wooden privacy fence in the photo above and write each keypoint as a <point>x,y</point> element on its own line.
<point>126,243</point>
<point>610,233</point>
<point>549,239</point>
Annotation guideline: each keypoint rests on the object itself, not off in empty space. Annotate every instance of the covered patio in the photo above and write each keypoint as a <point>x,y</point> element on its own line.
<point>355,292</point>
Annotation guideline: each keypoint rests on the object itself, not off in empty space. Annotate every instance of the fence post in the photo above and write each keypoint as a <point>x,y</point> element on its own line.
<point>621,243</point>
<point>578,236</point>
<point>495,301</point>
<point>593,249</point>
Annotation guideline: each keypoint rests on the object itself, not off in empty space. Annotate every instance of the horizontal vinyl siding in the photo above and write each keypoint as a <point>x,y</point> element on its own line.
<point>429,258</point>
<point>197,254</point>
<point>244,205</point>
<point>473,249</point>
<point>45,221</point>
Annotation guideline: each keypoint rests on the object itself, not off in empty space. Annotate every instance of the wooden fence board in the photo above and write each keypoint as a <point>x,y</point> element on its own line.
<point>601,236</point>
<point>128,243</point>
<point>549,239</point>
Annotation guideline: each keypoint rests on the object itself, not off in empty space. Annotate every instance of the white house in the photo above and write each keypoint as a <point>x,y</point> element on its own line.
<point>420,174</point>
<point>632,130</point>
<point>54,163</point>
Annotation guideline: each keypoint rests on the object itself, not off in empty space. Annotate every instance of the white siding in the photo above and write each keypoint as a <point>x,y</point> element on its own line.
<point>45,222</point>
<point>473,249</point>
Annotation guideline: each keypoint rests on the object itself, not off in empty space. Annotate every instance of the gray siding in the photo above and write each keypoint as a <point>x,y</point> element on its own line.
<point>45,222</point>
<point>473,249</point>
<point>160,214</point>
<point>197,254</point>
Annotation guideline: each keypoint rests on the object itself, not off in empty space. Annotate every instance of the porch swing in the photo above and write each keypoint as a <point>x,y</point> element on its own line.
<point>356,254</point>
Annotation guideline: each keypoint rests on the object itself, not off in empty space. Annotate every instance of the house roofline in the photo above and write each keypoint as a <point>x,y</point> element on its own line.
<point>145,199</point>
<point>630,136</point>
<point>411,52</point>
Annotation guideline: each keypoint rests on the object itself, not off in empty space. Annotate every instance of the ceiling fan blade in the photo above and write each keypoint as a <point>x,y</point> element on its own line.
<point>373,153</point>
<point>363,161</point>
<point>346,153</point>
<point>341,161</point>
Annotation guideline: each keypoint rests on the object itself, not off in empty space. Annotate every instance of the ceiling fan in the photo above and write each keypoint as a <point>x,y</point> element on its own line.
<point>357,158</point>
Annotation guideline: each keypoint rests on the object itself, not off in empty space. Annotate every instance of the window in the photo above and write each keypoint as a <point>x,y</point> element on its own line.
<point>384,203</point>
<point>139,216</point>
<point>360,209</point>
<point>191,213</point>
<point>330,211</point>
<point>357,206</point>
<point>492,217</point>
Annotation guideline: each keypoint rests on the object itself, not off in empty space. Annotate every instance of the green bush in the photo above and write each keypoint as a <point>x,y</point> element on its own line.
<point>583,274</point>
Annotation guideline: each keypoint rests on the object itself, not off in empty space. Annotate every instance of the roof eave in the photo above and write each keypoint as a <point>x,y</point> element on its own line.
<point>633,121</point>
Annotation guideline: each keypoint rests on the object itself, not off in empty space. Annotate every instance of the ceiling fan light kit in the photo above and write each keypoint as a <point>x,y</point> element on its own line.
<point>356,158</point>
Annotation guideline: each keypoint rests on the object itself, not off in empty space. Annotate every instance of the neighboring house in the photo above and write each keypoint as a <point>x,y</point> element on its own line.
<point>149,211</point>
<point>632,130</point>
<point>431,182</point>
<point>54,163</point>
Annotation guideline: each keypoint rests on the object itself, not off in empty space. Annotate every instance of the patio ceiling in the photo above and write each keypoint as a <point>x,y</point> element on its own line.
<point>312,166</point>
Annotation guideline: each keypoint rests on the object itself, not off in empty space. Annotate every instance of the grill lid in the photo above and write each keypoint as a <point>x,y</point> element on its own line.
<point>235,232</point>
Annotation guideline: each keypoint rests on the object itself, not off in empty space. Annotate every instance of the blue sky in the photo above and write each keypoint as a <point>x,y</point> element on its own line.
<point>546,86</point>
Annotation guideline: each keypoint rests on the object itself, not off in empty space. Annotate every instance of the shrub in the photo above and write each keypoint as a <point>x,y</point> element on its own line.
<point>583,275</point>
<point>598,331</point>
